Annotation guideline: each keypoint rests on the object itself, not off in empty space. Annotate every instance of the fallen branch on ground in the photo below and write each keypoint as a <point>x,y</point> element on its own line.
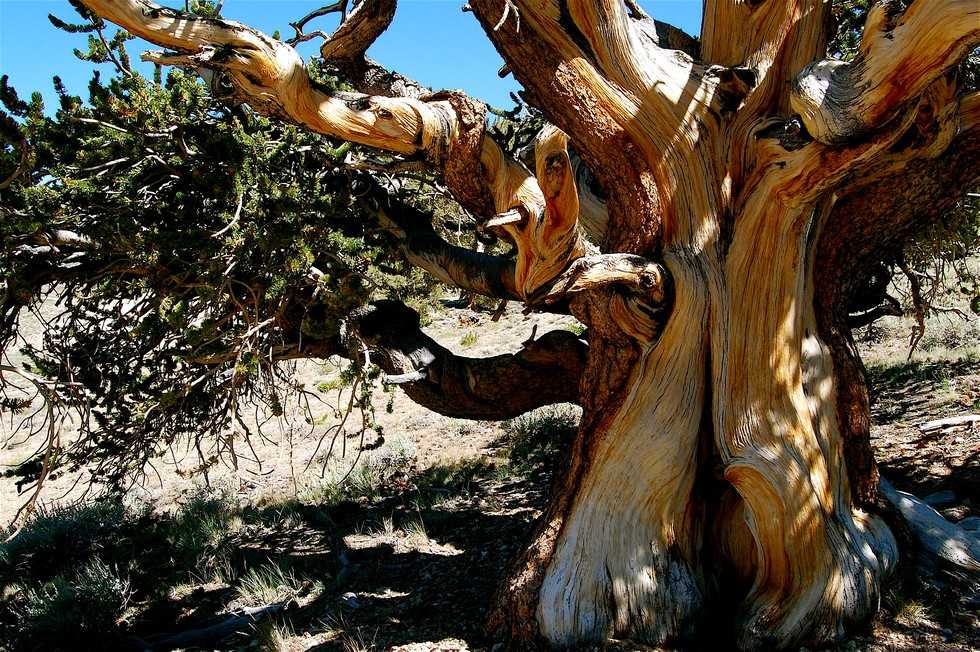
<point>937,537</point>
<point>950,422</point>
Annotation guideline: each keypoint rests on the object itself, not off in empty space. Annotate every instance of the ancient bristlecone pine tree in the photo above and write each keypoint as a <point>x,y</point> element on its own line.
<point>721,478</point>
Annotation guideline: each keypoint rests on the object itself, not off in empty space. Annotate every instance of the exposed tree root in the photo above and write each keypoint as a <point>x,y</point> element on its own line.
<point>939,540</point>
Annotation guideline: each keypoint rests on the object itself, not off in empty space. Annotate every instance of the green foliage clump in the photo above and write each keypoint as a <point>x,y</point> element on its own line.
<point>267,584</point>
<point>73,612</point>
<point>534,440</point>
<point>198,533</point>
<point>56,539</point>
<point>188,244</point>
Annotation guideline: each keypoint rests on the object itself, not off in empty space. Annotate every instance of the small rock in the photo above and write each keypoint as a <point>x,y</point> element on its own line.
<point>971,523</point>
<point>940,499</point>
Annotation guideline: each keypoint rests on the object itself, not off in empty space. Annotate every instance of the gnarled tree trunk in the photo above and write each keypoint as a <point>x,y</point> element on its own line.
<point>722,476</point>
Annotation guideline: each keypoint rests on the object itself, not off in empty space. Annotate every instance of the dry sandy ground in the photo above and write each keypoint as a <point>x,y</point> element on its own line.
<point>411,429</point>
<point>407,590</point>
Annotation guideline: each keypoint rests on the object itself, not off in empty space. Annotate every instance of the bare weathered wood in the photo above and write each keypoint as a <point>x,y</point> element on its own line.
<point>901,54</point>
<point>949,422</point>
<point>937,537</point>
<point>240,622</point>
<point>725,428</point>
<point>544,371</point>
<point>597,271</point>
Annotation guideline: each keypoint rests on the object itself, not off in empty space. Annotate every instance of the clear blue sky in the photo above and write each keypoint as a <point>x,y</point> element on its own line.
<point>432,41</point>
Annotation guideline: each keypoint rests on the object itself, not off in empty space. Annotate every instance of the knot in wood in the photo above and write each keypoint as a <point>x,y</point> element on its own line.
<point>459,157</point>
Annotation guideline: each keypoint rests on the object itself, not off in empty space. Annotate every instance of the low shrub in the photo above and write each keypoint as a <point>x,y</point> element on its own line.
<point>72,613</point>
<point>533,440</point>
<point>57,538</point>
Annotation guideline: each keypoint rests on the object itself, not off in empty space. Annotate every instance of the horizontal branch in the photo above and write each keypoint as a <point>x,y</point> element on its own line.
<point>271,77</point>
<point>901,54</point>
<point>544,371</point>
<point>481,273</point>
<point>889,308</point>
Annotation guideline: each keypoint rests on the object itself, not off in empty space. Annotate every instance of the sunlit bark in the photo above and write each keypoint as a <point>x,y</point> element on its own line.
<point>723,454</point>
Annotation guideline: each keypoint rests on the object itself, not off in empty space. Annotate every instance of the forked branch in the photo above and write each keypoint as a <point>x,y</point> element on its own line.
<point>542,222</point>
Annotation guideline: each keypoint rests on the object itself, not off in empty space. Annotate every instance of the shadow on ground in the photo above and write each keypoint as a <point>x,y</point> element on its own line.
<point>407,558</point>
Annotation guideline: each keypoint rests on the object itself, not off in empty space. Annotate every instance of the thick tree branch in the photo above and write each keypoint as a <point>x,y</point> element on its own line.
<point>901,54</point>
<point>270,75</point>
<point>345,48</point>
<point>481,273</point>
<point>872,222</point>
<point>764,36</point>
<point>591,273</point>
<point>560,80</point>
<point>542,372</point>
<point>795,169</point>
<point>360,28</point>
<point>875,215</point>
<point>544,227</point>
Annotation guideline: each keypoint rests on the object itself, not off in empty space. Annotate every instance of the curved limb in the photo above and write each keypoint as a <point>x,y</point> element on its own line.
<point>544,226</point>
<point>544,371</point>
<point>478,272</point>
<point>590,273</point>
<point>901,54</point>
<point>345,48</point>
<point>574,97</point>
<point>270,75</point>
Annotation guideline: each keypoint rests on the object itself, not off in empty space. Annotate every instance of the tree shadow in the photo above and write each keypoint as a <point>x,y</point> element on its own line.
<point>413,566</point>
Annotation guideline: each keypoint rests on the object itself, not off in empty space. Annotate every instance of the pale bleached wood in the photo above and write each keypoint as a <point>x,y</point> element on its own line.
<point>544,226</point>
<point>591,272</point>
<point>627,560</point>
<point>938,538</point>
<point>949,422</point>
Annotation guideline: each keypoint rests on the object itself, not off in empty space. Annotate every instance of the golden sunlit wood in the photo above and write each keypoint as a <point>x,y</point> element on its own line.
<point>719,462</point>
